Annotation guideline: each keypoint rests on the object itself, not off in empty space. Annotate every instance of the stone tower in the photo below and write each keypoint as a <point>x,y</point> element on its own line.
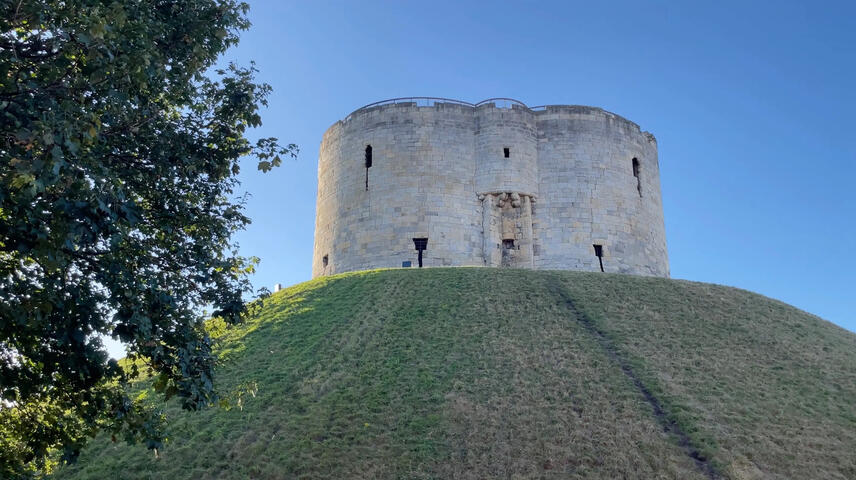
<point>495,184</point>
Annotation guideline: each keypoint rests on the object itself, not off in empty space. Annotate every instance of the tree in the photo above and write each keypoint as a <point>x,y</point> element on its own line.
<point>118,173</point>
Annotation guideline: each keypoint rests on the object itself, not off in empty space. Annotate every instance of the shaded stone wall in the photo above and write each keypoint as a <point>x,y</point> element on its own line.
<point>440,172</point>
<point>587,194</point>
<point>420,185</point>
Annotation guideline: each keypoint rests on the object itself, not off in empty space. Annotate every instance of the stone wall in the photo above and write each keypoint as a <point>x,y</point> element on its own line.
<point>441,172</point>
<point>588,194</point>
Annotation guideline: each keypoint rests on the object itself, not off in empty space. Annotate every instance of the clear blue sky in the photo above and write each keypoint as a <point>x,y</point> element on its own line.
<point>752,105</point>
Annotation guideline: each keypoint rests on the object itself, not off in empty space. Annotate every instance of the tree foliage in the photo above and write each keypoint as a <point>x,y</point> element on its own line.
<point>118,173</point>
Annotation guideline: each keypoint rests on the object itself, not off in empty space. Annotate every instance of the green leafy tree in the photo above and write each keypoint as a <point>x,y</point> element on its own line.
<point>119,159</point>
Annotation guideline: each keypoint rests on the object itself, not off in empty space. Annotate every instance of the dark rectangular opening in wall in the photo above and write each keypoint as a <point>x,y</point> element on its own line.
<point>636,173</point>
<point>506,152</point>
<point>508,244</point>
<point>368,164</point>
<point>598,251</point>
<point>420,244</point>
<point>325,260</point>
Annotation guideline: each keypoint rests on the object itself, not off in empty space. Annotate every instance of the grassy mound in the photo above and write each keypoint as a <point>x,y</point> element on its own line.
<point>489,373</point>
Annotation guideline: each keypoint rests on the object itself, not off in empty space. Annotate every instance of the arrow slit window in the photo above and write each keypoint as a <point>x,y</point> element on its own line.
<point>637,173</point>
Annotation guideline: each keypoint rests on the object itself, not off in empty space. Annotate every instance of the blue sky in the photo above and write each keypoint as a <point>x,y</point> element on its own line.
<point>752,105</point>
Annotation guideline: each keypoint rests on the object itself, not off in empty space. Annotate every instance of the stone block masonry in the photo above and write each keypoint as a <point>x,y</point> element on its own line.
<point>493,184</point>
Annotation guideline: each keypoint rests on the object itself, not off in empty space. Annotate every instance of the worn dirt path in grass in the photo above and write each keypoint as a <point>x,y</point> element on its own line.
<point>762,389</point>
<point>485,373</point>
<point>704,465</point>
<point>540,397</point>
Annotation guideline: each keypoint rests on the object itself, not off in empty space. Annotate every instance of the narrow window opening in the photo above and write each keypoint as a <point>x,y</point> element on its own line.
<point>325,260</point>
<point>420,244</point>
<point>636,173</point>
<point>506,152</point>
<point>368,164</point>
<point>508,244</point>
<point>598,251</point>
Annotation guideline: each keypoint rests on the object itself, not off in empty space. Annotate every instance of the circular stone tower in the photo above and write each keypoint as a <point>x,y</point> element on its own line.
<point>441,182</point>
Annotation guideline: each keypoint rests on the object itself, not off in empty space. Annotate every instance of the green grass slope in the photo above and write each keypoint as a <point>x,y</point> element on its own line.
<point>488,373</point>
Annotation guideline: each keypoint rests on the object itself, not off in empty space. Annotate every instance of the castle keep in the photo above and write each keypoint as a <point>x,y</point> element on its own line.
<point>494,184</point>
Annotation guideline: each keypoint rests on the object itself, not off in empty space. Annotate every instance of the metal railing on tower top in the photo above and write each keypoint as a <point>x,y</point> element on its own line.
<point>419,101</point>
<point>500,102</point>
